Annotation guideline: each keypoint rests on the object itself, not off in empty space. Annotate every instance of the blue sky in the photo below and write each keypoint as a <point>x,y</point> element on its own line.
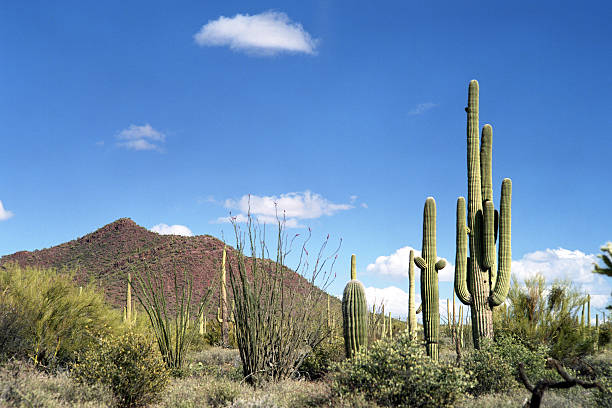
<point>350,114</point>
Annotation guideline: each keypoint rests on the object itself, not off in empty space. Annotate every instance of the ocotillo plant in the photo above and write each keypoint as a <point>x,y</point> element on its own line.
<point>429,279</point>
<point>222,316</point>
<point>354,314</point>
<point>412,320</point>
<point>480,281</point>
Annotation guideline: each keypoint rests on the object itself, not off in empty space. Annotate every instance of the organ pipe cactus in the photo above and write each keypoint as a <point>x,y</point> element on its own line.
<point>354,314</point>
<point>429,279</point>
<point>412,320</point>
<point>480,281</point>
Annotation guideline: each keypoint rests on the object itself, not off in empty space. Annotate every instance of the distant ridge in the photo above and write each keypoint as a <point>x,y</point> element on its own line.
<point>106,255</point>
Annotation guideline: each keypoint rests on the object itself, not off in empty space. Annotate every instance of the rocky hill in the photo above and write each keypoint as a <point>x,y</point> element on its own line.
<point>104,257</point>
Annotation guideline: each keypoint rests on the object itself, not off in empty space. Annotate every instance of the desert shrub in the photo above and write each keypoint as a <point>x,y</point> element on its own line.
<point>23,385</point>
<point>46,318</point>
<point>129,365</point>
<point>397,373</point>
<point>224,393</point>
<point>320,360</point>
<point>495,365</point>
<point>599,368</point>
<point>549,315</point>
<point>604,335</point>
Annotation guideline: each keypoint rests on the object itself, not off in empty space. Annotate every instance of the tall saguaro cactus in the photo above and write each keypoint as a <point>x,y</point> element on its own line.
<point>480,281</point>
<point>354,314</point>
<point>412,321</point>
<point>429,279</point>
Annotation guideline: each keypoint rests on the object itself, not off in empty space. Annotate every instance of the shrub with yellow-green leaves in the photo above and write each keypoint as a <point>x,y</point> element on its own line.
<point>46,319</point>
<point>130,365</point>
<point>397,373</point>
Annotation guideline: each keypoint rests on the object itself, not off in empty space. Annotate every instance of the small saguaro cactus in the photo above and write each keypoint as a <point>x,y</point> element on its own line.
<point>412,320</point>
<point>202,322</point>
<point>354,314</point>
<point>222,316</point>
<point>429,279</point>
<point>480,281</point>
<point>589,311</point>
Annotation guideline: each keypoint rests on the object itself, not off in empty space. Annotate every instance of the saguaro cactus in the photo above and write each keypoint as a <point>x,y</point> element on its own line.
<point>429,279</point>
<point>412,320</point>
<point>222,316</point>
<point>480,281</point>
<point>354,314</point>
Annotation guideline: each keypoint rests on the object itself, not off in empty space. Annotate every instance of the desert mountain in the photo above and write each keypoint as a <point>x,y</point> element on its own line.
<point>104,257</point>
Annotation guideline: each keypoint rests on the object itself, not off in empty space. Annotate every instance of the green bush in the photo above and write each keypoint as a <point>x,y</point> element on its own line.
<point>397,373</point>
<point>129,365</point>
<point>319,361</point>
<point>46,319</point>
<point>604,335</point>
<point>495,365</point>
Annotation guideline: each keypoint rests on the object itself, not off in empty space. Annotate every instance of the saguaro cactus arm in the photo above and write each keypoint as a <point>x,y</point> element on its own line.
<point>461,287</point>
<point>502,284</point>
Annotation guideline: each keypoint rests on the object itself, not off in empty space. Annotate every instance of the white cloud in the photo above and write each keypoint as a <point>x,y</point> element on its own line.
<point>422,108</point>
<point>165,229</point>
<point>141,138</point>
<point>396,265</point>
<point>396,302</point>
<point>364,205</point>
<point>4,214</point>
<point>565,264</point>
<point>267,33</point>
<point>553,264</point>
<point>294,206</point>
<point>394,299</point>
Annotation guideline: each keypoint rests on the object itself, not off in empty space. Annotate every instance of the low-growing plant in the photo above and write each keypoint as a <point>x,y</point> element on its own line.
<point>495,365</point>
<point>318,363</point>
<point>45,318</point>
<point>129,365</point>
<point>397,373</point>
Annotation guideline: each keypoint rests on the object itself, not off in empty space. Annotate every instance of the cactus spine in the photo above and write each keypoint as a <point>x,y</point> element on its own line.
<point>480,281</point>
<point>354,314</point>
<point>429,279</point>
<point>412,320</point>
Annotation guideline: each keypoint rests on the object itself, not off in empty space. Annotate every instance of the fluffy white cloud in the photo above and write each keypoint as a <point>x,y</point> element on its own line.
<point>165,229</point>
<point>565,264</point>
<point>294,206</point>
<point>553,264</point>
<point>396,265</point>
<point>267,33</point>
<point>394,299</point>
<point>4,214</point>
<point>422,108</point>
<point>141,138</point>
<point>396,302</point>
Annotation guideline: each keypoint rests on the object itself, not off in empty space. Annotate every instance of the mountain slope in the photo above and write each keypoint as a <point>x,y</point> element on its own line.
<point>106,255</point>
